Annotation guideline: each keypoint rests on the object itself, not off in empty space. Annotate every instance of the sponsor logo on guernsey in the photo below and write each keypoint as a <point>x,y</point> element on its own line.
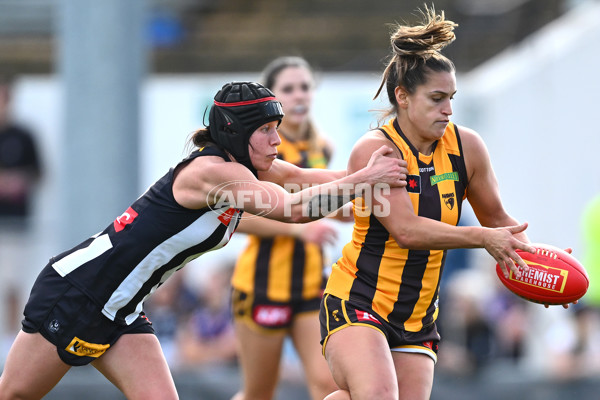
<point>542,276</point>
<point>413,184</point>
<point>448,200</point>
<point>82,348</point>
<point>272,316</point>
<point>225,218</point>
<point>448,176</point>
<point>365,316</point>
<point>124,219</point>
<point>429,344</point>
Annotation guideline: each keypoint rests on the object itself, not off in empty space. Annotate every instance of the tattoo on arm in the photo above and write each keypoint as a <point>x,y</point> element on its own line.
<point>324,204</point>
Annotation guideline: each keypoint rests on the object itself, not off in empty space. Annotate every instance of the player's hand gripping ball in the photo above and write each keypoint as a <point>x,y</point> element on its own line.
<point>554,277</point>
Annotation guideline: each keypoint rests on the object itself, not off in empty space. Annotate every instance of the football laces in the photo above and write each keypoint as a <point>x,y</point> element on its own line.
<point>547,253</point>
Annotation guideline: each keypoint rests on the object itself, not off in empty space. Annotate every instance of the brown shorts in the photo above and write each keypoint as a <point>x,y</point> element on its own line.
<point>337,314</point>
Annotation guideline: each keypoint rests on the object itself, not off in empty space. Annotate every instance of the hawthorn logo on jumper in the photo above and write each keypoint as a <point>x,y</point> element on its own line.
<point>272,315</point>
<point>125,219</point>
<point>82,348</point>
<point>413,184</point>
<point>542,276</point>
<point>365,316</point>
<point>235,194</point>
<point>448,200</point>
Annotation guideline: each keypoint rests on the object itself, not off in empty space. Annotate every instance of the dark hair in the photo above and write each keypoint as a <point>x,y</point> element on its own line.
<point>272,70</point>
<point>201,138</point>
<point>416,53</point>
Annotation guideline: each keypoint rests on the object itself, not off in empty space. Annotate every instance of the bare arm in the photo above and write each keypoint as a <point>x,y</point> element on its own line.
<point>413,232</point>
<point>209,181</point>
<point>293,178</point>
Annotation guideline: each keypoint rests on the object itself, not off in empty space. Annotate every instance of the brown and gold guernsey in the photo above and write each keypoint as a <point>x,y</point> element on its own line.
<point>282,268</point>
<point>401,285</point>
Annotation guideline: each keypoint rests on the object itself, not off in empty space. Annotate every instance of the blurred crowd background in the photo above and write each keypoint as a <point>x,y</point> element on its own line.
<point>108,91</point>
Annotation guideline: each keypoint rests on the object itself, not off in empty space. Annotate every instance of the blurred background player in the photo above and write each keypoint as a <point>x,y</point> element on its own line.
<point>279,278</point>
<point>20,171</point>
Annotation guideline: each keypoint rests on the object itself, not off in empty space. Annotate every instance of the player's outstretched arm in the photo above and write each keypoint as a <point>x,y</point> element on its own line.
<point>242,190</point>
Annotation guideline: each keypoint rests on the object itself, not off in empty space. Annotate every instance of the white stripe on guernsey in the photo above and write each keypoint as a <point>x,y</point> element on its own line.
<point>133,316</point>
<point>79,257</point>
<point>191,236</point>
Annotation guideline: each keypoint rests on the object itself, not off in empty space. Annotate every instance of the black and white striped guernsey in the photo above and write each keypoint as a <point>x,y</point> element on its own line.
<point>122,265</point>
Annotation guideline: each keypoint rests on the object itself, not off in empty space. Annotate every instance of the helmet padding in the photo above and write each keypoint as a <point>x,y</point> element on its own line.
<point>239,109</point>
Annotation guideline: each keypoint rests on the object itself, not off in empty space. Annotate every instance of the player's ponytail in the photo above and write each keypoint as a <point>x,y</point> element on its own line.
<point>415,52</point>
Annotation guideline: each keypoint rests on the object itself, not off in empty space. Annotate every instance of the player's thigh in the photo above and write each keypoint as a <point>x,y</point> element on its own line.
<point>137,366</point>
<point>32,368</point>
<point>259,354</point>
<point>360,361</point>
<point>415,375</point>
<point>306,335</point>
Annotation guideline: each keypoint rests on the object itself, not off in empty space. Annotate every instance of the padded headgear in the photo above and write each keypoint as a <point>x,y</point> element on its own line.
<point>239,109</point>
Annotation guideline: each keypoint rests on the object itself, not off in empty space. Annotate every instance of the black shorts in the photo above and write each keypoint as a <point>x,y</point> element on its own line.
<point>265,315</point>
<point>72,321</point>
<point>337,314</point>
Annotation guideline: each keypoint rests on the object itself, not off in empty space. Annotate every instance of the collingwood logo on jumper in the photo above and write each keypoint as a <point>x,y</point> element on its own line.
<point>448,200</point>
<point>54,326</point>
<point>82,348</point>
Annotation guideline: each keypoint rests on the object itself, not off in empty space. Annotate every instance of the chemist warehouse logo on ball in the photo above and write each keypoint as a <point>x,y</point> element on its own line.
<point>245,194</point>
<point>543,277</point>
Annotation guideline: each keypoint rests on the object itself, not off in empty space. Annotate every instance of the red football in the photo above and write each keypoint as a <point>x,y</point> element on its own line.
<point>554,276</point>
